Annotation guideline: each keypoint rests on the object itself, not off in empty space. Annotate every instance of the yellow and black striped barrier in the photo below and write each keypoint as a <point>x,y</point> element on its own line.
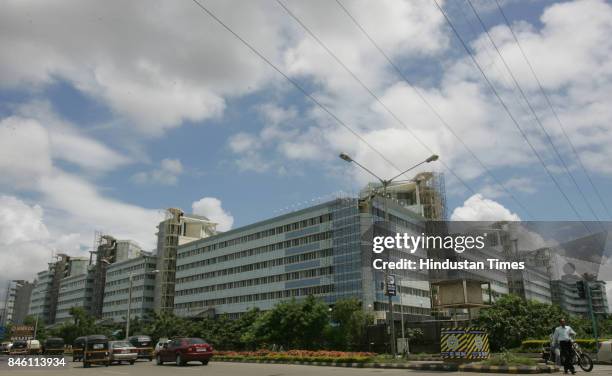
<point>464,343</point>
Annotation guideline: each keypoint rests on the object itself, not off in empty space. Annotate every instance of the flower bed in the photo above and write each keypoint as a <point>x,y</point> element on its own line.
<point>297,356</point>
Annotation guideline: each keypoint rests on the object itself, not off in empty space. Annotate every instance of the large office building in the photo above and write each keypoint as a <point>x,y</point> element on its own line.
<point>177,229</point>
<point>142,271</point>
<point>22,293</point>
<point>74,291</point>
<point>324,251</point>
<point>567,295</point>
<point>46,291</point>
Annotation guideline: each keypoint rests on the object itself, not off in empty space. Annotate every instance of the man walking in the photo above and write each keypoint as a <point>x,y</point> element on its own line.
<point>563,337</point>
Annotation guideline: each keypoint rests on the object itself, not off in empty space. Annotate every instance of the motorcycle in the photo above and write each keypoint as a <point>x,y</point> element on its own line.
<point>579,358</point>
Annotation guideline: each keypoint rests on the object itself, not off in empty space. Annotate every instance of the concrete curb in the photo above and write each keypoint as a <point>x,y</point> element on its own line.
<point>412,366</point>
<point>447,367</point>
<point>508,369</point>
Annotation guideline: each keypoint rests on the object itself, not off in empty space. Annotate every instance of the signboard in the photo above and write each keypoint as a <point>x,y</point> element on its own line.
<point>22,332</point>
<point>390,287</point>
<point>464,343</point>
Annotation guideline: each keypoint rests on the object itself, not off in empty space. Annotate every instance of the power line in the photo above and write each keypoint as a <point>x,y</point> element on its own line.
<point>294,83</point>
<point>537,118</point>
<point>552,108</point>
<point>432,108</point>
<point>365,87</point>
<point>505,106</point>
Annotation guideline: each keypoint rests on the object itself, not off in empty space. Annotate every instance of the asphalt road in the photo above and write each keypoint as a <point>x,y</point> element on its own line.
<point>144,368</point>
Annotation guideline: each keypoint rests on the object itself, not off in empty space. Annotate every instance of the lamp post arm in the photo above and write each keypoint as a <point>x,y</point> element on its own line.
<point>402,173</point>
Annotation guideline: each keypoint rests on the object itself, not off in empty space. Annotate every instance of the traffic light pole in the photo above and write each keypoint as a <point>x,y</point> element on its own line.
<point>587,288</point>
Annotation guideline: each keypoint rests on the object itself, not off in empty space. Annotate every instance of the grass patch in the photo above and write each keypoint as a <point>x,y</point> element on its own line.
<point>509,359</point>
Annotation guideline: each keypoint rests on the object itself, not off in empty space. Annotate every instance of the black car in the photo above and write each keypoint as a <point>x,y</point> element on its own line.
<point>53,346</point>
<point>144,344</point>
<point>20,347</point>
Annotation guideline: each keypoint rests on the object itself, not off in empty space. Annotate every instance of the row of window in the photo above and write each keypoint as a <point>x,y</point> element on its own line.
<point>258,265</point>
<point>378,306</point>
<point>130,269</point>
<point>303,274</point>
<point>126,281</point>
<point>123,313</point>
<point>136,299</point>
<point>259,250</point>
<point>72,302</point>
<point>282,294</point>
<point>258,235</point>
<point>127,290</point>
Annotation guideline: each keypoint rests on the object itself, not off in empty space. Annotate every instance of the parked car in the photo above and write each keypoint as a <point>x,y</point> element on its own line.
<point>184,350</point>
<point>20,347</point>
<point>122,351</point>
<point>144,344</point>
<point>5,347</point>
<point>160,345</point>
<point>34,347</point>
<point>604,353</point>
<point>95,351</point>
<point>77,349</point>
<point>53,346</point>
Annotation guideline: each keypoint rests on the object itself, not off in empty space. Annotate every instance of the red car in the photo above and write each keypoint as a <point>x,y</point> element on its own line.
<point>183,350</point>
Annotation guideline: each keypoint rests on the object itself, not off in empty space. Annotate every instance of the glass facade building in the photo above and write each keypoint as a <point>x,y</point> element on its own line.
<point>324,250</point>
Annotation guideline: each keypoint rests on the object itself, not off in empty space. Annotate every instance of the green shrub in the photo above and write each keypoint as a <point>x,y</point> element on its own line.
<point>533,345</point>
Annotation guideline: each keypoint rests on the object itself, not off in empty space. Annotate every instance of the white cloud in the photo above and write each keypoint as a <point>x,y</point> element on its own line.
<point>478,208</point>
<point>24,152</point>
<point>167,173</point>
<point>26,243</point>
<point>211,208</point>
<point>137,59</point>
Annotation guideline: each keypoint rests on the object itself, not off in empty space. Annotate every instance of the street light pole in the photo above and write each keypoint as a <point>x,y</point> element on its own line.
<point>385,183</point>
<point>129,310</point>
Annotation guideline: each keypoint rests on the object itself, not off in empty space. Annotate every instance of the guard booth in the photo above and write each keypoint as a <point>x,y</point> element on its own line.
<point>462,299</point>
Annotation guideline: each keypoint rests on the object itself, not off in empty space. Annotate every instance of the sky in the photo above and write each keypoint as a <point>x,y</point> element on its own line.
<point>112,112</point>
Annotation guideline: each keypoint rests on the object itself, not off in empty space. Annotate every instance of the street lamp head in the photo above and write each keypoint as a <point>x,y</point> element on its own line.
<point>154,271</point>
<point>433,157</point>
<point>345,157</point>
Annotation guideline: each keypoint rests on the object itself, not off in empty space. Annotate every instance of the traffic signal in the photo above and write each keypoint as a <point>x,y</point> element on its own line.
<point>581,287</point>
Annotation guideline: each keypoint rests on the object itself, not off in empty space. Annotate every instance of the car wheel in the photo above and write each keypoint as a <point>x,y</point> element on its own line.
<point>205,362</point>
<point>158,360</point>
<point>85,365</point>
<point>132,362</point>
<point>150,359</point>
<point>179,360</point>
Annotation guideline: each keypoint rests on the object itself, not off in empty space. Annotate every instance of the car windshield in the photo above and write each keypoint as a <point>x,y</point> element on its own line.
<point>20,344</point>
<point>122,344</point>
<point>195,341</point>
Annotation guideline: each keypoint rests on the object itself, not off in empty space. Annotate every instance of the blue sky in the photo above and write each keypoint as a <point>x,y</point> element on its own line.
<point>110,113</point>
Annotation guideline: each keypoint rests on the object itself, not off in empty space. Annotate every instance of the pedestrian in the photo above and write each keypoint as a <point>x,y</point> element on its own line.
<point>555,352</point>
<point>563,338</point>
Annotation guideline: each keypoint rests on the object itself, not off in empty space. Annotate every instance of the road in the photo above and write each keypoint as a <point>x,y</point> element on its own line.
<point>144,368</point>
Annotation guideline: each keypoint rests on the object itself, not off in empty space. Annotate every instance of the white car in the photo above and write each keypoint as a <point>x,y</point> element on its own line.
<point>604,353</point>
<point>160,345</point>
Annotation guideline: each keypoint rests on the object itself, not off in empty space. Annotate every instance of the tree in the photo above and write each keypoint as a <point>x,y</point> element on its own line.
<point>292,324</point>
<point>511,320</point>
<point>351,322</point>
